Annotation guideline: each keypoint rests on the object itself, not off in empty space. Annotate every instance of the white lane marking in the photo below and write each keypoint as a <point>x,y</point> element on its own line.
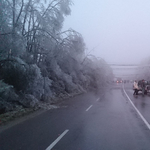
<point>89,108</point>
<point>97,99</point>
<point>145,121</point>
<point>57,140</point>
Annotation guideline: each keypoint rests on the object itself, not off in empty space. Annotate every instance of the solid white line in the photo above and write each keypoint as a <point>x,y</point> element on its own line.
<point>57,140</point>
<point>145,121</point>
<point>89,108</point>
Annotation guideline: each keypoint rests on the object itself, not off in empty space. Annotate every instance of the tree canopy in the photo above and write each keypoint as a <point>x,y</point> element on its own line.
<point>38,60</point>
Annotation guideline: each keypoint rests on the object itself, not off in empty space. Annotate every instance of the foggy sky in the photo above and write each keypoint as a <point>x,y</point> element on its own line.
<point>119,28</point>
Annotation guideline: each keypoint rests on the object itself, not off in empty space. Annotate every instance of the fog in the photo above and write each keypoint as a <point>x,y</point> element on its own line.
<point>119,31</point>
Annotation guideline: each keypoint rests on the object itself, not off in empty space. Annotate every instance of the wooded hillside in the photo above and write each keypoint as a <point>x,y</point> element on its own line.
<point>38,61</point>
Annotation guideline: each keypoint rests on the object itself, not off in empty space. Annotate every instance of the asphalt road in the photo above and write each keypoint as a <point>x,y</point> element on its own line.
<point>106,121</point>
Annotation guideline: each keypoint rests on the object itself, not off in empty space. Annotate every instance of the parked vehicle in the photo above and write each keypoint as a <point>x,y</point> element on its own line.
<point>147,86</point>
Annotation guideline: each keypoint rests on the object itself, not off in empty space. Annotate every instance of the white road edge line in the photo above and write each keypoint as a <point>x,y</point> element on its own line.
<point>89,108</point>
<point>57,140</point>
<point>145,121</point>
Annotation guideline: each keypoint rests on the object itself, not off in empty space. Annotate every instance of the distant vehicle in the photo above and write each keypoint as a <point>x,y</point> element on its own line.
<point>119,80</point>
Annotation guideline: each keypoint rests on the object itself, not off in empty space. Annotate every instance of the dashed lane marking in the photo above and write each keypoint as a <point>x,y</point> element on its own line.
<point>145,121</point>
<point>57,140</point>
<point>89,108</point>
<point>97,99</point>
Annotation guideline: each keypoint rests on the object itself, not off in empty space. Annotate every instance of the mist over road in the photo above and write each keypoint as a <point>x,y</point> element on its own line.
<point>102,121</point>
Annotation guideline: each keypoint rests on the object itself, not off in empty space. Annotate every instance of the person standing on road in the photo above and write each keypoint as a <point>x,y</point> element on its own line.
<point>135,87</point>
<point>143,85</point>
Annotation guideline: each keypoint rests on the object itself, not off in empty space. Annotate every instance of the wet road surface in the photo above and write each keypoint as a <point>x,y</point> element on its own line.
<point>140,102</point>
<point>105,121</point>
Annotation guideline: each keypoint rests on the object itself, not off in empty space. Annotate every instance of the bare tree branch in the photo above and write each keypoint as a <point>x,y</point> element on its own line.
<point>20,12</point>
<point>6,33</point>
<point>9,3</point>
